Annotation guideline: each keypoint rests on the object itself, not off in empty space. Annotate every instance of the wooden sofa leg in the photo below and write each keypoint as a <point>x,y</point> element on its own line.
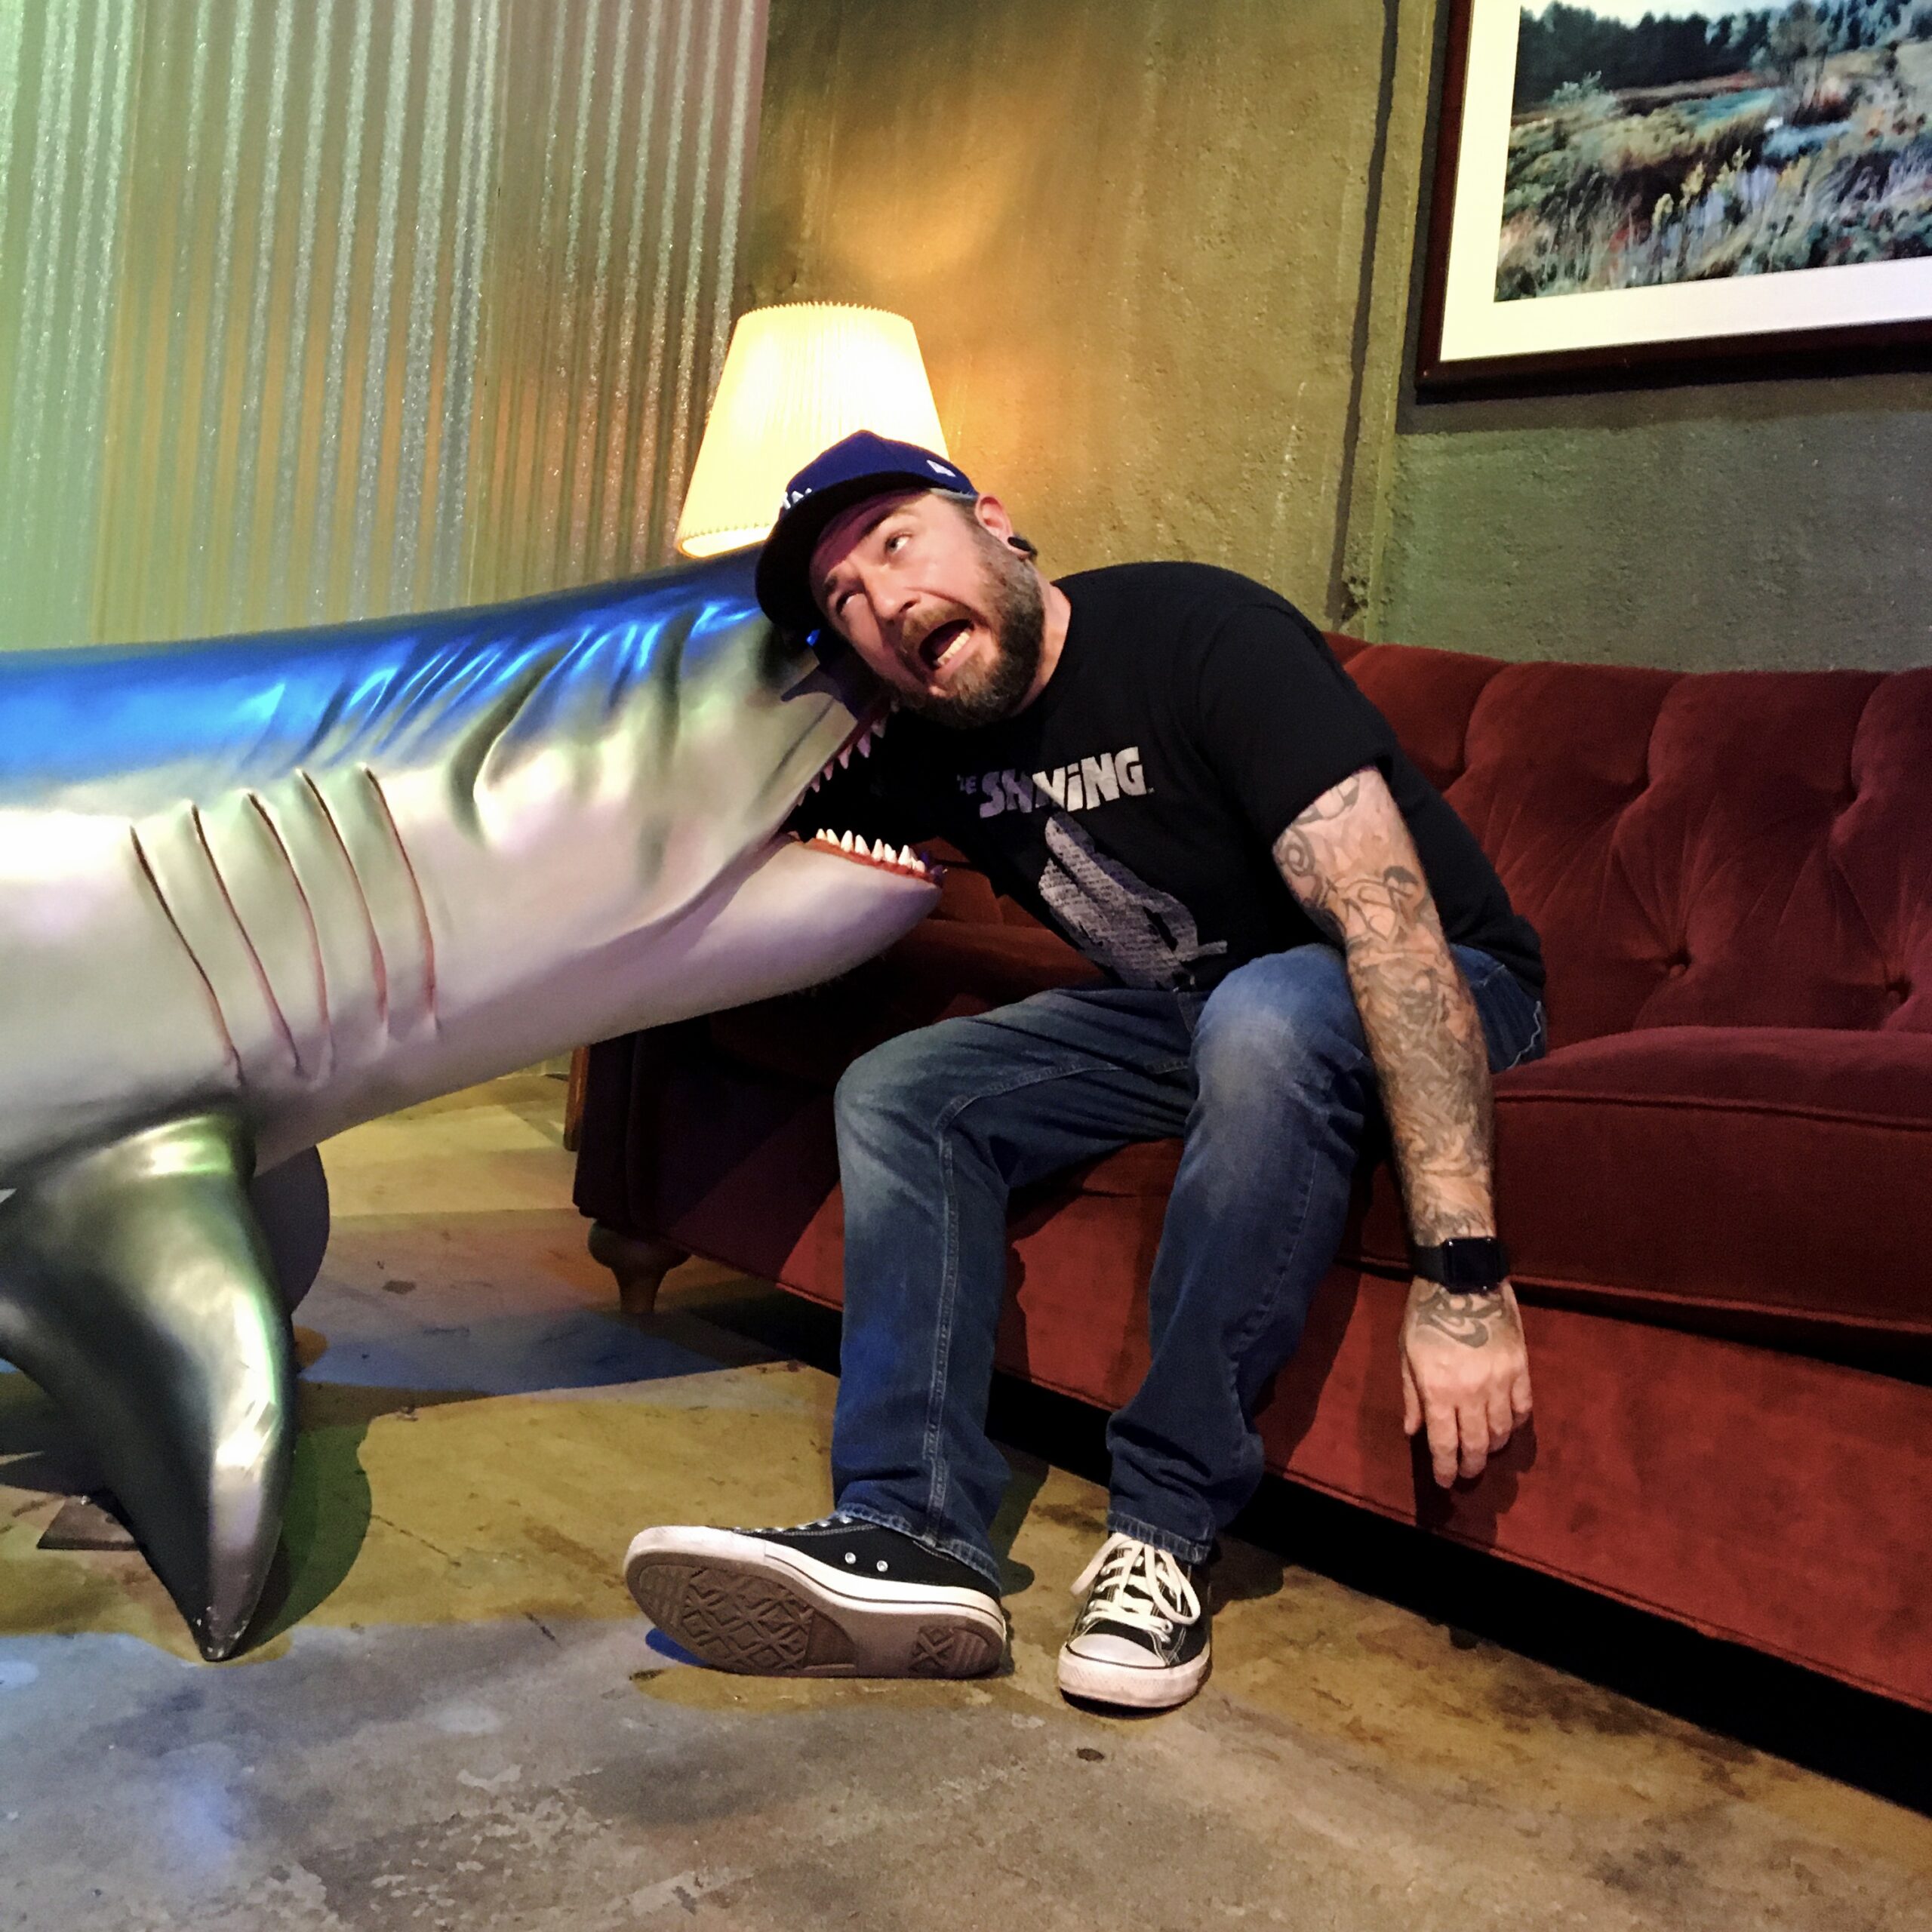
<point>640,1262</point>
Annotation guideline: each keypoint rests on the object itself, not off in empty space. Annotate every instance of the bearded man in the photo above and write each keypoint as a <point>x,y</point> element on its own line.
<point>1302,947</point>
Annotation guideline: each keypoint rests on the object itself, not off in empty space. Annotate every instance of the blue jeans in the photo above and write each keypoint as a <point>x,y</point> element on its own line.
<point>1268,1080</point>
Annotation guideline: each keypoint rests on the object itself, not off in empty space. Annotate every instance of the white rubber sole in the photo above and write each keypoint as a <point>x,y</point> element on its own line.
<point>742,1604</point>
<point>1134,1686</point>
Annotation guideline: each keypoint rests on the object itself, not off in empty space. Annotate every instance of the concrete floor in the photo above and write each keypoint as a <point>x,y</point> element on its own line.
<point>458,1719</point>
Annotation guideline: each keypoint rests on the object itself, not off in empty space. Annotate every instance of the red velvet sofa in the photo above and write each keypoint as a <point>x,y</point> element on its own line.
<point>1717,1188</point>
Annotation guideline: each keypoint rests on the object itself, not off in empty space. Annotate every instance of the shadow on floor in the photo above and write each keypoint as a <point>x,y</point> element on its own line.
<point>1860,1739</point>
<point>327,1515</point>
<point>328,1510</point>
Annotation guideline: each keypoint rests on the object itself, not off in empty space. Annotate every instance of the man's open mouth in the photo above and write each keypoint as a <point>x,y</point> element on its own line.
<point>941,642</point>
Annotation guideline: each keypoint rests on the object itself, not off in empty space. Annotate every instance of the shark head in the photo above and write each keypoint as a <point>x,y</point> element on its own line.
<point>592,808</point>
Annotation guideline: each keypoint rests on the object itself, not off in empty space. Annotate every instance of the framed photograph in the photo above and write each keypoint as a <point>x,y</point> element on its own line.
<point>1624,184</point>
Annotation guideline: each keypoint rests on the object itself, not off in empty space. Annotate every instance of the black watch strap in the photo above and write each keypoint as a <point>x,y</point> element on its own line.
<point>1471,1263</point>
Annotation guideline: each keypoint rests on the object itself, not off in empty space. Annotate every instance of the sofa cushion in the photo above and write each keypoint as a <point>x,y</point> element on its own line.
<point>1779,1176</point>
<point>1773,1182</point>
<point>1715,848</point>
<point>1769,1172</point>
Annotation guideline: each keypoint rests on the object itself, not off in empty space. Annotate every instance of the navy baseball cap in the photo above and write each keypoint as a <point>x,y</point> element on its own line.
<point>863,465</point>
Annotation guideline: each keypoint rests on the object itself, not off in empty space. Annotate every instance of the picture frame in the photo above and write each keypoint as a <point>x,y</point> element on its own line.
<point>1727,191</point>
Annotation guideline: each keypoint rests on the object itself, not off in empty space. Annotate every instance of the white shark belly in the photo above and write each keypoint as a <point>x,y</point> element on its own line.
<point>786,917</point>
<point>334,945</point>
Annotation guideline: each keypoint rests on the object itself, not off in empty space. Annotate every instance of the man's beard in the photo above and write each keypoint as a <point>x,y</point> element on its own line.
<point>993,690</point>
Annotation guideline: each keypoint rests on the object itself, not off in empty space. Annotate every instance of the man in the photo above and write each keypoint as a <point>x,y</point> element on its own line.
<point>1302,944</point>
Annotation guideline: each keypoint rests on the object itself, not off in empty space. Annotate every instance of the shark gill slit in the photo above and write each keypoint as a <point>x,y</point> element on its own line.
<point>262,979</point>
<point>379,966</point>
<point>416,889</point>
<point>491,726</point>
<point>207,985</point>
<point>314,937</point>
<point>664,669</point>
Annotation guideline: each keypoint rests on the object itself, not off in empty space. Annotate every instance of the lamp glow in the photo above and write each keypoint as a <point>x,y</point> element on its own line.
<point>796,379</point>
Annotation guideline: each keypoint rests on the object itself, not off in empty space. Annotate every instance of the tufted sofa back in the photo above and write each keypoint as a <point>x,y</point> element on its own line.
<point>1711,848</point>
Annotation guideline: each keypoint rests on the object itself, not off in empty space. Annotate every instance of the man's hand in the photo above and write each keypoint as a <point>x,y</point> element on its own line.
<point>1465,1374</point>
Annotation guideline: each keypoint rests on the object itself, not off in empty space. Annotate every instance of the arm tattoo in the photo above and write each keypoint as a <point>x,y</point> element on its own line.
<point>1349,861</point>
<point>1461,1317</point>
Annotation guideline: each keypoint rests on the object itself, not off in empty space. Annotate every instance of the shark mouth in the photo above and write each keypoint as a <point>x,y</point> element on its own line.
<point>904,861</point>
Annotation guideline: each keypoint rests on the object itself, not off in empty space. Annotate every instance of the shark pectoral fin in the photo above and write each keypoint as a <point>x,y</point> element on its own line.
<point>136,1287</point>
<point>291,1205</point>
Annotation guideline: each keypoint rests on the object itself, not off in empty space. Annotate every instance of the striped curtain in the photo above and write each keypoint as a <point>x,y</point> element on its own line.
<point>314,309</point>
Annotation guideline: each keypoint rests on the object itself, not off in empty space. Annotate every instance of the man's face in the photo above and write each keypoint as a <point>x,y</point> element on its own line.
<point>935,601</point>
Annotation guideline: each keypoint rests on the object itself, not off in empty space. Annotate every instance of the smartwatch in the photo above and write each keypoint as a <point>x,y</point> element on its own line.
<point>1469,1264</point>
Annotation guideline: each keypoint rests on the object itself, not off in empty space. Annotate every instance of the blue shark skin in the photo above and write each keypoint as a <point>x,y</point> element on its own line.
<point>254,891</point>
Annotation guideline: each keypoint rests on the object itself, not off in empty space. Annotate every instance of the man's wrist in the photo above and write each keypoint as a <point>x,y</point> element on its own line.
<point>1466,1264</point>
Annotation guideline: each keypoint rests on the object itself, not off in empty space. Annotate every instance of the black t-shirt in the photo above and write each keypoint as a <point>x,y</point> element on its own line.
<point>1135,804</point>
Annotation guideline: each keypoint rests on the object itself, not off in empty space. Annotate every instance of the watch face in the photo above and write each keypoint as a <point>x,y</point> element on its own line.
<point>1469,1261</point>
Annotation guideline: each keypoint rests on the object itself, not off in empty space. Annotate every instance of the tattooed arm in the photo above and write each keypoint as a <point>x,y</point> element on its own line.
<point>1350,860</point>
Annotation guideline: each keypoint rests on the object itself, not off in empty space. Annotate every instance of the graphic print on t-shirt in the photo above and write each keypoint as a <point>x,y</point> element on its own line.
<point>1076,786</point>
<point>1144,936</point>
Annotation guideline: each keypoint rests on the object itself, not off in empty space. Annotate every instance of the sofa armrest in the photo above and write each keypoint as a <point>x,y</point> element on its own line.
<point>967,896</point>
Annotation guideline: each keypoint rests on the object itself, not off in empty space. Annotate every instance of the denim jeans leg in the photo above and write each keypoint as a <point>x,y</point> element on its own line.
<point>1284,1086</point>
<point>935,1128</point>
<point>1513,1021</point>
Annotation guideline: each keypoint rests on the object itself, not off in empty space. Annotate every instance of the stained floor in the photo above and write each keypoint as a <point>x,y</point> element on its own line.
<point>457,1718</point>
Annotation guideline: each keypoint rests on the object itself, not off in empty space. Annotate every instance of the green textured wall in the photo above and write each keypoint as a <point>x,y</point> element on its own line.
<point>1773,525</point>
<point>1131,234</point>
<point>1160,253</point>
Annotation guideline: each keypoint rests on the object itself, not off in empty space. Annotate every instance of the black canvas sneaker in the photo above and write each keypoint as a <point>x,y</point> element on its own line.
<point>1141,1637</point>
<point>838,1597</point>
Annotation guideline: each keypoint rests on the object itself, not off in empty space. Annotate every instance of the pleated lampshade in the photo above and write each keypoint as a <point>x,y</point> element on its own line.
<point>797,378</point>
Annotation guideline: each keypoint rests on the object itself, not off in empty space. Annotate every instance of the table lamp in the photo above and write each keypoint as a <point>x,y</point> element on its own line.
<point>798,377</point>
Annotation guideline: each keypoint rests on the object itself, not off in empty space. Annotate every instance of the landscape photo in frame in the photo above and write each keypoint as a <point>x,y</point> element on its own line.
<point>1627,183</point>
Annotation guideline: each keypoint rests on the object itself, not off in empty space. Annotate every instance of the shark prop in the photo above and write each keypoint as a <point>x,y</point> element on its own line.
<point>254,891</point>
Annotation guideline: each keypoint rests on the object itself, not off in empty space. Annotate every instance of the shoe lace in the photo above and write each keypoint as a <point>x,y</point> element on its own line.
<point>1132,1582</point>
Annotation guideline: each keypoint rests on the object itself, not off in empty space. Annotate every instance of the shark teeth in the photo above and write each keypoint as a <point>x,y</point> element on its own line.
<point>880,852</point>
<point>862,742</point>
